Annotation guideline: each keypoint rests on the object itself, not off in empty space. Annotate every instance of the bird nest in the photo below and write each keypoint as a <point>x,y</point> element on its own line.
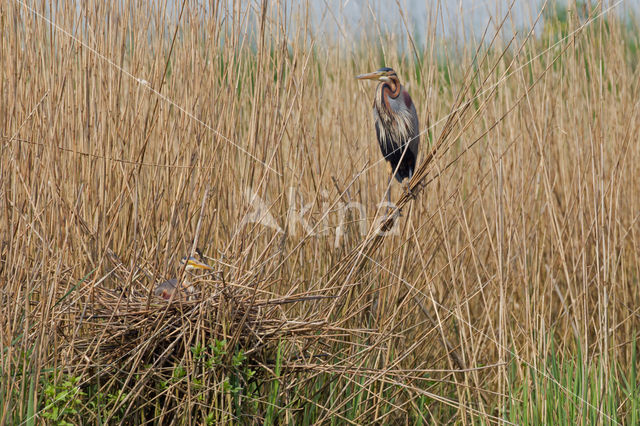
<point>106,330</point>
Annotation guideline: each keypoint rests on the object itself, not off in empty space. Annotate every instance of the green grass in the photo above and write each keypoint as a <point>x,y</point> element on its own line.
<point>569,389</point>
<point>564,390</point>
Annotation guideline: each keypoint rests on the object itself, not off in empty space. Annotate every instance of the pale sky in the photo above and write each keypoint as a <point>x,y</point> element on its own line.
<point>456,18</point>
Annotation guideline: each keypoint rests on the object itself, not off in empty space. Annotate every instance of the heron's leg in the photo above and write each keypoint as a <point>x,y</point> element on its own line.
<point>389,190</point>
<point>407,188</point>
<point>389,195</point>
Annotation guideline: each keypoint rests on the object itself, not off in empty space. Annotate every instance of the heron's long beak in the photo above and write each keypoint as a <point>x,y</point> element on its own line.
<point>199,265</point>
<point>370,76</point>
<point>196,264</point>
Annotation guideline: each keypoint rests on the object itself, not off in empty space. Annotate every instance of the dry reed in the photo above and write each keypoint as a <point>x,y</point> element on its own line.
<point>127,137</point>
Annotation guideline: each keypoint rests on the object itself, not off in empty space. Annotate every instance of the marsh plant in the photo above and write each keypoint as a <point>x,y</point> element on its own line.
<point>503,289</point>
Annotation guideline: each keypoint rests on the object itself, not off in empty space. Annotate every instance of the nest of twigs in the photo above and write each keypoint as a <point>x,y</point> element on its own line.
<point>107,330</point>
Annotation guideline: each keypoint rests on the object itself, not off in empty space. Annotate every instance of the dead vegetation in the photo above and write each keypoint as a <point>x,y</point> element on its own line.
<point>129,139</point>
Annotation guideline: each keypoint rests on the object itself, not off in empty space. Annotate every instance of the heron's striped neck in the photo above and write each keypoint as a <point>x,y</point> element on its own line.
<point>386,90</point>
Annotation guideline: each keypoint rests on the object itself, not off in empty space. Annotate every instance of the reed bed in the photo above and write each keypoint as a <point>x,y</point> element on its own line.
<point>503,289</point>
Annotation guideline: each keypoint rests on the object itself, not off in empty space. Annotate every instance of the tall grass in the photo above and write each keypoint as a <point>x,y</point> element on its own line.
<point>506,293</point>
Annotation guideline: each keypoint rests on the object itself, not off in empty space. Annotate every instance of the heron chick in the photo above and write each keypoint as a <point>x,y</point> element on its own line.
<point>396,123</point>
<point>166,289</point>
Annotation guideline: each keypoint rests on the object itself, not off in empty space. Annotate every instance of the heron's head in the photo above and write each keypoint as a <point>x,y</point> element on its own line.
<point>383,74</point>
<point>193,263</point>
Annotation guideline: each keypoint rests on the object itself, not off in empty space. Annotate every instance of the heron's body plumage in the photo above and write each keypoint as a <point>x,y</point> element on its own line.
<point>166,289</point>
<point>397,127</point>
<point>396,123</point>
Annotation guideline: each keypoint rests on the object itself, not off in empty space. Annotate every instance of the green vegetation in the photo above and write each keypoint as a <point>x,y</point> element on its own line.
<point>62,402</point>
<point>575,391</point>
